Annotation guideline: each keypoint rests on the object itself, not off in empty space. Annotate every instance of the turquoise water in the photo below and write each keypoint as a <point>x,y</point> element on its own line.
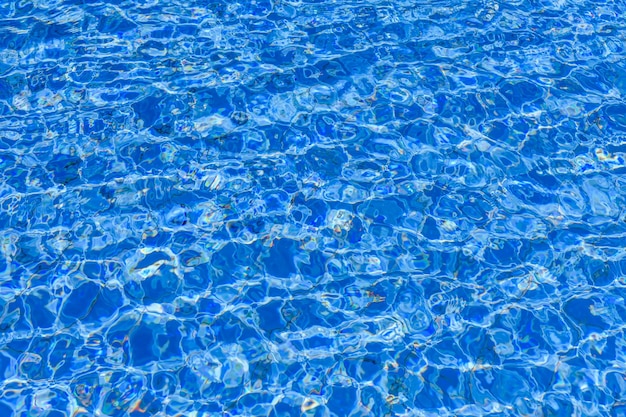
<point>287,208</point>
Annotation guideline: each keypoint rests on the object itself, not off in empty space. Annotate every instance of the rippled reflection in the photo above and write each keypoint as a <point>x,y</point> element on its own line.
<point>312,208</point>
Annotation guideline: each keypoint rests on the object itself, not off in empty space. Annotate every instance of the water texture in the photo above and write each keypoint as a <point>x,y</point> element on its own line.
<point>318,208</point>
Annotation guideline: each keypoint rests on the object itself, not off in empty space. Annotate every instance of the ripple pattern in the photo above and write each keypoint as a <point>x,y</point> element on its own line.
<point>313,207</point>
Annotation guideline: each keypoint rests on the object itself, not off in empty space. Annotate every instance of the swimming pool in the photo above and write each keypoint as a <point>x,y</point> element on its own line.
<point>320,208</point>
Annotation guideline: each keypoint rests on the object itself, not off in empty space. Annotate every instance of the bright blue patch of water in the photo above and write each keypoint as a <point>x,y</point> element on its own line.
<point>284,208</point>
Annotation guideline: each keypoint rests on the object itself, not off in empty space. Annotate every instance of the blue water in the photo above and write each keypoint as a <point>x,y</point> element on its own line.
<point>318,208</point>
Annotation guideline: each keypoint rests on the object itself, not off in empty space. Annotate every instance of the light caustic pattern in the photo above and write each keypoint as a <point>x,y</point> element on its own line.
<point>329,208</point>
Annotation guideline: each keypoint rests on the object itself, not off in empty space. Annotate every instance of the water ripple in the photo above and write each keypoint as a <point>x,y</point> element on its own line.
<point>312,208</point>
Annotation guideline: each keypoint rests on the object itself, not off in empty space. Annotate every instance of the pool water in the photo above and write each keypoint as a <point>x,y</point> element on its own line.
<point>312,208</point>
